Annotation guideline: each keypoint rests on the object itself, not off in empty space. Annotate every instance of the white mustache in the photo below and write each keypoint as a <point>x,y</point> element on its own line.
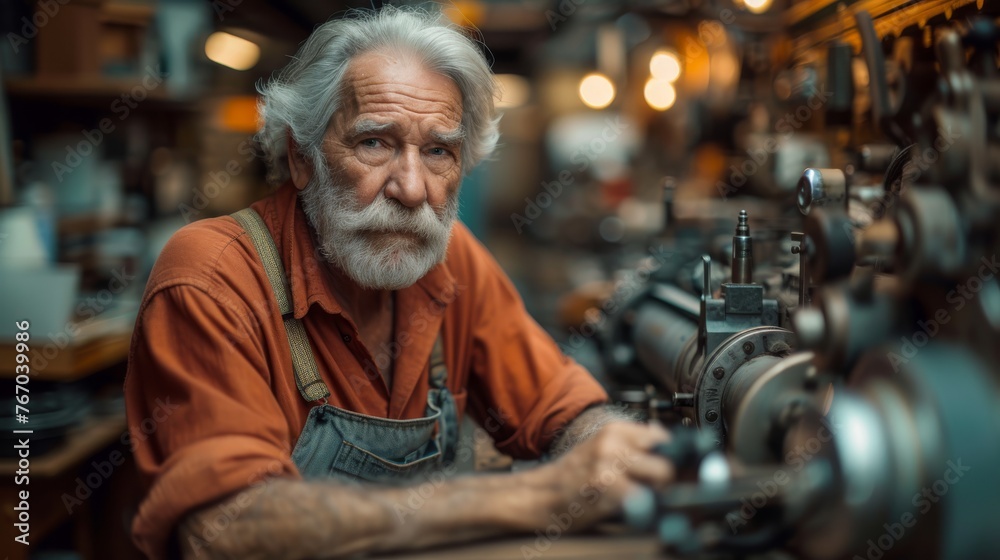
<point>385,216</point>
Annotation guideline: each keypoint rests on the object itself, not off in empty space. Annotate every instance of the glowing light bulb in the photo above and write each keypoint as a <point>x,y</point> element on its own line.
<point>665,66</point>
<point>660,94</point>
<point>757,6</point>
<point>596,91</point>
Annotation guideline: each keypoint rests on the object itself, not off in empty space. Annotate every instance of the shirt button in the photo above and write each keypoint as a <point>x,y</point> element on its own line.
<point>347,338</point>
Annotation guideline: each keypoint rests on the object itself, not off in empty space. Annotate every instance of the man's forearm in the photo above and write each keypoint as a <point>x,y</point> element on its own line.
<point>588,423</point>
<point>297,519</point>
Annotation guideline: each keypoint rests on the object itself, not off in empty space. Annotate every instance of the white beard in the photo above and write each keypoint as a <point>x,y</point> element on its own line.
<point>365,242</point>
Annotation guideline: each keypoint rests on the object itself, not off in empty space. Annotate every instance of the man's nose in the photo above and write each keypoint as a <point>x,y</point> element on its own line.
<point>406,183</point>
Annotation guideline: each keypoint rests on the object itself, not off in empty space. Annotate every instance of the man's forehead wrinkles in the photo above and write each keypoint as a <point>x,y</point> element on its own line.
<point>440,103</point>
<point>376,81</point>
<point>386,109</point>
<point>389,111</point>
<point>417,101</point>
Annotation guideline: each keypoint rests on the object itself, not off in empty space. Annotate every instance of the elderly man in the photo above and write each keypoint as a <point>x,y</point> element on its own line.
<point>324,343</point>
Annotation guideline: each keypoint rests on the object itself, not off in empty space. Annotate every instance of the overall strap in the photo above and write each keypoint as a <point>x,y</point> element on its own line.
<point>441,398</point>
<point>311,387</point>
<point>439,373</point>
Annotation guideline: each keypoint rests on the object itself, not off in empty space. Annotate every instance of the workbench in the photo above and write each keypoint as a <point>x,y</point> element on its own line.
<point>565,547</point>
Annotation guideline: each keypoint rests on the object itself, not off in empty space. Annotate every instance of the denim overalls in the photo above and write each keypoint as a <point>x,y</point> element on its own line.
<point>347,445</point>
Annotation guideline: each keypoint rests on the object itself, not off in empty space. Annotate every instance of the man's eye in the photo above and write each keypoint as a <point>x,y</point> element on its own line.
<point>371,142</point>
<point>438,152</point>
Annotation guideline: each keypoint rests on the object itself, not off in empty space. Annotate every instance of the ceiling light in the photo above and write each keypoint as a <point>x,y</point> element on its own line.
<point>231,51</point>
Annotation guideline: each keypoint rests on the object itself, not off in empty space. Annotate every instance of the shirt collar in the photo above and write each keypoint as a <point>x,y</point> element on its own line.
<point>306,269</point>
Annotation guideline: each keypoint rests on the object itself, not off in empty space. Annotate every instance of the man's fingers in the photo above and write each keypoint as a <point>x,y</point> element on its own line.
<point>642,436</point>
<point>633,444</point>
<point>651,470</point>
<point>661,434</point>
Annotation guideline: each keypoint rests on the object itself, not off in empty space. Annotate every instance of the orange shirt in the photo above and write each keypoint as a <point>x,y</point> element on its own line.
<point>210,363</point>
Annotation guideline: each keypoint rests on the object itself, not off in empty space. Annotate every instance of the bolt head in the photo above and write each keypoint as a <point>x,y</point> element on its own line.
<point>712,415</point>
<point>748,347</point>
<point>718,373</point>
<point>810,191</point>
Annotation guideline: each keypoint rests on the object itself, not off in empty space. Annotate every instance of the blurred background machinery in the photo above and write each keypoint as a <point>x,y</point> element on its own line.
<point>834,384</point>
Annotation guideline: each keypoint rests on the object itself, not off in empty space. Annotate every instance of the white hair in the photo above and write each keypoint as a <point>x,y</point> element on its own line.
<point>302,97</point>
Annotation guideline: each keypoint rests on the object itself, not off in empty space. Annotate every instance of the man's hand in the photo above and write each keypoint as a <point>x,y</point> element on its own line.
<point>593,478</point>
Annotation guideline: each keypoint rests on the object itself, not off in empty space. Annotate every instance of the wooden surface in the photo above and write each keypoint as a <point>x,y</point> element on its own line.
<point>585,547</point>
<point>70,363</point>
<point>80,444</point>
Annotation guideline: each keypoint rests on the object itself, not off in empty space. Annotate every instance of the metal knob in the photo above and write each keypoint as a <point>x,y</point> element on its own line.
<point>742,251</point>
<point>819,187</point>
<point>682,400</point>
<point>877,157</point>
<point>810,326</point>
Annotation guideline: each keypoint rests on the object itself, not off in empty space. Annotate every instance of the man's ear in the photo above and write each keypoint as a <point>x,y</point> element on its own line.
<point>299,167</point>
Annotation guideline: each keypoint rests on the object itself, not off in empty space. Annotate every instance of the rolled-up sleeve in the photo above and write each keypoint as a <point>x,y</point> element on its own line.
<point>523,388</point>
<point>202,418</point>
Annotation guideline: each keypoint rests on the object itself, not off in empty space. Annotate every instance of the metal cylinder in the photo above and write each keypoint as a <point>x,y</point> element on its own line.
<point>876,157</point>
<point>661,335</point>
<point>895,432</point>
<point>742,252</point>
<point>841,326</point>
<point>820,187</point>
<point>740,358</point>
<point>840,82</point>
<point>739,385</point>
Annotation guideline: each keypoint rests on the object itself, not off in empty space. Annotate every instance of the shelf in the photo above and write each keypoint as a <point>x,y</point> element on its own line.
<point>84,224</point>
<point>73,362</point>
<point>81,443</point>
<point>95,90</point>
